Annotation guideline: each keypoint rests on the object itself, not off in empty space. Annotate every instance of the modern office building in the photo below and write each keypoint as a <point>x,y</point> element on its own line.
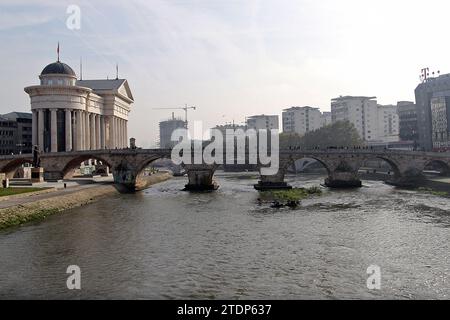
<point>166,128</point>
<point>302,120</point>
<point>263,122</point>
<point>70,114</point>
<point>440,123</point>
<point>17,125</point>
<point>8,130</point>
<point>407,115</point>
<point>436,87</point>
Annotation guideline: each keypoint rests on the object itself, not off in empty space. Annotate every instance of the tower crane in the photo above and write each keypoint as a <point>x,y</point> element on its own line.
<point>185,108</point>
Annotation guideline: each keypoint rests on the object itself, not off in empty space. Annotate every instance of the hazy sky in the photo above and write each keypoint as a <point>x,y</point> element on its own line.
<point>229,58</point>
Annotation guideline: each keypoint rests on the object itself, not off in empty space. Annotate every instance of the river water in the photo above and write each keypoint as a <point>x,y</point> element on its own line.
<point>164,243</point>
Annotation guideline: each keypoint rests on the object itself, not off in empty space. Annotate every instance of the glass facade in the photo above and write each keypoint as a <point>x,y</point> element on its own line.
<point>440,123</point>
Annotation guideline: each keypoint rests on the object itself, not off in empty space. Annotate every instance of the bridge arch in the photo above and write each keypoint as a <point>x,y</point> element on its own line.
<point>292,160</point>
<point>11,167</point>
<point>147,161</point>
<point>437,164</point>
<point>74,163</point>
<point>394,167</point>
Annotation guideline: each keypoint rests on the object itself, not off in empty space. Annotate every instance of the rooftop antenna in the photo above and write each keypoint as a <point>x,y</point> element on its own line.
<point>57,51</point>
<point>81,68</point>
<point>117,71</point>
<point>425,73</point>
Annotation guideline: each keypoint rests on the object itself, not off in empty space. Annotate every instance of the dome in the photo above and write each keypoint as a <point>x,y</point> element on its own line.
<point>58,68</point>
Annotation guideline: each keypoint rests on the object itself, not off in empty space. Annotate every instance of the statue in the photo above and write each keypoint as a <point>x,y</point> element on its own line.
<point>36,157</point>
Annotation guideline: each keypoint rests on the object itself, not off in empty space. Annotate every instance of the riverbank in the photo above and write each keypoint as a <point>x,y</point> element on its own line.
<point>42,205</point>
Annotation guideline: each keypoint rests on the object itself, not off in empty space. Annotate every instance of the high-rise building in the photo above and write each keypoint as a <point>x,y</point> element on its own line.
<point>362,112</point>
<point>166,128</point>
<point>302,120</point>
<point>440,123</point>
<point>388,123</point>
<point>375,123</point>
<point>70,114</point>
<point>408,130</point>
<point>436,87</point>
<point>263,122</point>
<point>20,126</point>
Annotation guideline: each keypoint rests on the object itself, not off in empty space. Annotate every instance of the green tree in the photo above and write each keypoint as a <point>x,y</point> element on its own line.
<point>338,134</point>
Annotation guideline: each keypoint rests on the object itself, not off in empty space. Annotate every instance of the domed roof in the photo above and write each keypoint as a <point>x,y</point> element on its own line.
<point>58,68</point>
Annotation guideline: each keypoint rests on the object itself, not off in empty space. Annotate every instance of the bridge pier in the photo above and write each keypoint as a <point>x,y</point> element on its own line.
<point>409,178</point>
<point>125,178</point>
<point>53,175</point>
<point>275,182</point>
<point>339,179</point>
<point>200,178</point>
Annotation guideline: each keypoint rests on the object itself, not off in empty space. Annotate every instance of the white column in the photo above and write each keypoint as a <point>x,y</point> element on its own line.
<point>119,129</point>
<point>115,132</point>
<point>78,128</point>
<point>126,133</point>
<point>116,140</point>
<point>92,134</point>
<point>53,130</point>
<point>68,130</point>
<point>34,125</point>
<point>82,126</point>
<point>97,131</point>
<point>112,136</point>
<point>124,139</point>
<point>87,130</point>
<point>41,129</point>
<point>121,132</point>
<point>102,132</point>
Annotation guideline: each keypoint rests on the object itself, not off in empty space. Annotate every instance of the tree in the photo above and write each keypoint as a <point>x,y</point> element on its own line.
<point>338,134</point>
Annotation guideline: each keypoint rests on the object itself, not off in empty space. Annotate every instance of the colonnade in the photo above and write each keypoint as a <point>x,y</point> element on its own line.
<point>82,130</point>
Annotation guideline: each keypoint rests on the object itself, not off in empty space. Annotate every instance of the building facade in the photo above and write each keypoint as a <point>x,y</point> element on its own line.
<point>262,122</point>
<point>326,119</point>
<point>375,123</point>
<point>388,123</point>
<point>8,129</point>
<point>407,115</point>
<point>440,123</point>
<point>72,115</point>
<point>425,92</point>
<point>166,128</point>
<point>362,112</point>
<point>20,127</point>
<point>301,120</point>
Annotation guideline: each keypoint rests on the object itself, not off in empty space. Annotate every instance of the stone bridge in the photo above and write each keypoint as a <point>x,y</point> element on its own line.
<point>127,166</point>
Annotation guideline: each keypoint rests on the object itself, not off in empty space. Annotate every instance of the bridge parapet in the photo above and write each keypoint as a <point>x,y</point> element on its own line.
<point>342,165</point>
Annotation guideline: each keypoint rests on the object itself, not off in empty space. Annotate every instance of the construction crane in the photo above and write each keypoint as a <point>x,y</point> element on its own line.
<point>185,108</point>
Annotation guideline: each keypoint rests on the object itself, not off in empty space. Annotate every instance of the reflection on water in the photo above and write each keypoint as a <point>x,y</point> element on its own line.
<point>165,243</point>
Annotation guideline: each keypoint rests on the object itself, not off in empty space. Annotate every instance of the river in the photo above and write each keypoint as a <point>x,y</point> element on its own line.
<point>164,243</point>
